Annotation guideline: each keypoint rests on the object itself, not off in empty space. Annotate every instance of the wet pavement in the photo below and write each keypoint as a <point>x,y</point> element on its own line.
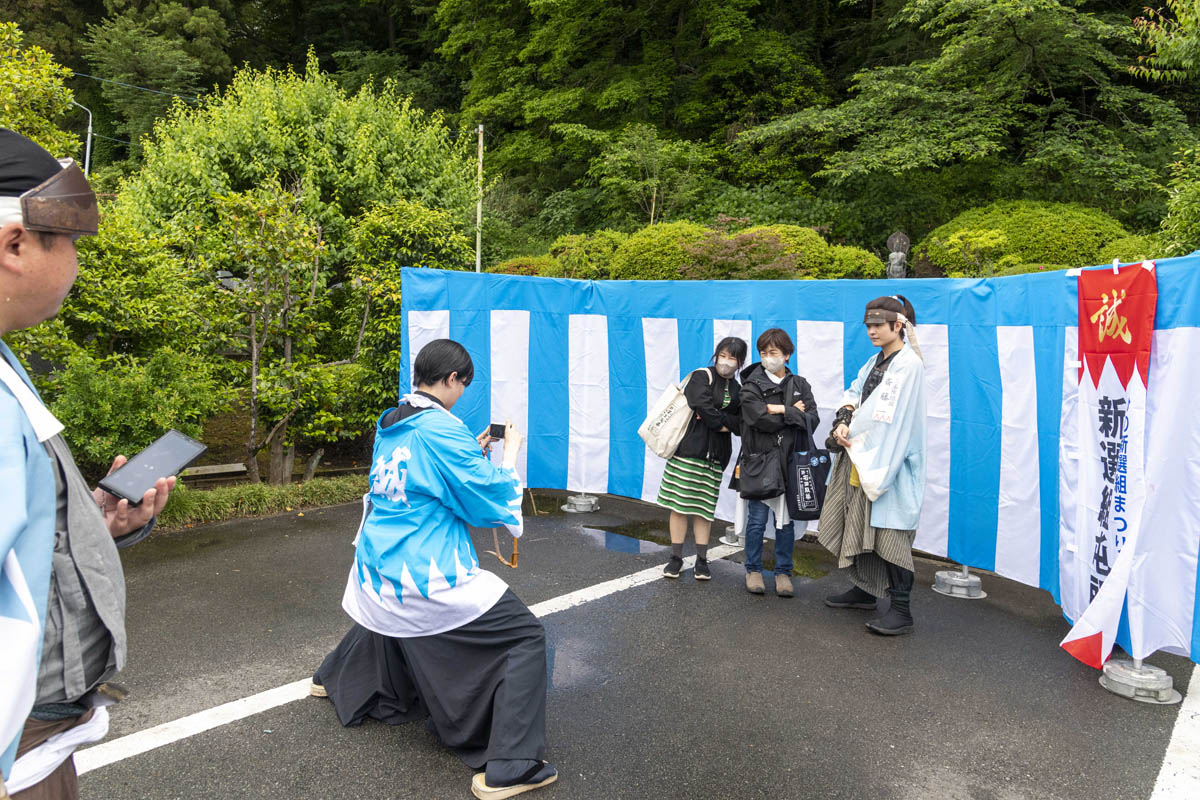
<point>669,689</point>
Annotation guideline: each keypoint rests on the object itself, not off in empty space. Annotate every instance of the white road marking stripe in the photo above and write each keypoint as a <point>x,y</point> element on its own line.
<point>591,593</point>
<point>102,755</point>
<point>1179,778</point>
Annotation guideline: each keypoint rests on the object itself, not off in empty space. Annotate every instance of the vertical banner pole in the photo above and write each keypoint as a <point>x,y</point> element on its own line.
<point>479,206</point>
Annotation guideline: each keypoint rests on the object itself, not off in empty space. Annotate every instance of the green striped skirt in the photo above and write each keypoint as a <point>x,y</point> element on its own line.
<point>845,530</point>
<point>690,486</point>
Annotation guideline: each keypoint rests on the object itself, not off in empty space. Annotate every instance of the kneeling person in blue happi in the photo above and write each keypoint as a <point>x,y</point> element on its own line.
<point>436,636</point>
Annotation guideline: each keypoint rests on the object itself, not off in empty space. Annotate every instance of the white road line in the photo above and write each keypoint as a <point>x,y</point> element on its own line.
<point>1179,778</point>
<point>591,593</point>
<point>143,741</point>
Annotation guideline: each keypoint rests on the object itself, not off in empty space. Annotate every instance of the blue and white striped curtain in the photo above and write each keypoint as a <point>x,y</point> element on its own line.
<point>576,364</point>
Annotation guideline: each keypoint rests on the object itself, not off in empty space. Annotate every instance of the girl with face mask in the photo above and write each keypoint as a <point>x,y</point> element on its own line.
<point>874,498</point>
<point>776,406</point>
<point>692,479</point>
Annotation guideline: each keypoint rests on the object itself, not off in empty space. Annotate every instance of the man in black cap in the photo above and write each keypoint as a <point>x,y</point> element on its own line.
<point>62,592</point>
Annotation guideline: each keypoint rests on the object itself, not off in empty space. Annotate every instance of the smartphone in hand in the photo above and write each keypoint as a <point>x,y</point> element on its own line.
<point>166,456</point>
<point>496,431</point>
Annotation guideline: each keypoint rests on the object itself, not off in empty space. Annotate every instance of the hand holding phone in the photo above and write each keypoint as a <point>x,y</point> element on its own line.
<point>165,456</point>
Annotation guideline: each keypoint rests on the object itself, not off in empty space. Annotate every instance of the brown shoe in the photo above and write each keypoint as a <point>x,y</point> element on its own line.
<point>783,586</point>
<point>754,583</point>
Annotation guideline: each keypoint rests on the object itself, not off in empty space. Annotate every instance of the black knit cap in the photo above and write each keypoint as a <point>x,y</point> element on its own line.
<point>23,164</point>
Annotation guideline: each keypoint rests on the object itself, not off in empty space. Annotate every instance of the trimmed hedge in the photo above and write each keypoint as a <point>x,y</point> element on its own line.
<point>188,507</point>
<point>656,253</point>
<point>852,262</point>
<point>809,247</point>
<point>529,265</point>
<point>1001,236</point>
<point>587,255</point>
<point>1133,248</point>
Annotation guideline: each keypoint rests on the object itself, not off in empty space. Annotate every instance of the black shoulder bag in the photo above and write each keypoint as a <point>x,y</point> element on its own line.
<point>760,475</point>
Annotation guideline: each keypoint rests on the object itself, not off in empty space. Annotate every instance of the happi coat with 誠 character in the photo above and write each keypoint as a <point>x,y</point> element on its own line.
<point>415,570</point>
<point>887,440</point>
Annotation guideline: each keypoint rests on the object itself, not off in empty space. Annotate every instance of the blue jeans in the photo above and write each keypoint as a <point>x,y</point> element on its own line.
<point>785,539</point>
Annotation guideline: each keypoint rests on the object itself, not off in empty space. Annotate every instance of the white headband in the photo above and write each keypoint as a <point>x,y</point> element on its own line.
<point>10,210</point>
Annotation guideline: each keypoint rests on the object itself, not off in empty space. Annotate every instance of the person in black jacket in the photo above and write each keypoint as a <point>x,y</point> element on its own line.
<point>775,403</point>
<point>692,479</point>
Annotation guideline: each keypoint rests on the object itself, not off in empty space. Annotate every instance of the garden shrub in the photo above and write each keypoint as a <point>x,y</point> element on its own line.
<point>850,262</point>
<point>750,255</point>
<point>993,238</point>
<point>809,247</point>
<point>587,255</point>
<point>119,404</point>
<point>658,252</point>
<point>194,506</point>
<point>545,266</point>
<point>1133,248</point>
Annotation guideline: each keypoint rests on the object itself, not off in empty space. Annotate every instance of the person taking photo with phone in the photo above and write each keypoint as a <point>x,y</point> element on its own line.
<point>435,636</point>
<point>62,591</point>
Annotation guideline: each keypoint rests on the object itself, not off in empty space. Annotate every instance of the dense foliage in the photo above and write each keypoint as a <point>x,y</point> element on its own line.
<point>986,241</point>
<point>267,173</point>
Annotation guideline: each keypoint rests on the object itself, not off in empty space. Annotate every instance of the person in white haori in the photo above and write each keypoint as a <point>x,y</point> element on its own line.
<point>875,493</point>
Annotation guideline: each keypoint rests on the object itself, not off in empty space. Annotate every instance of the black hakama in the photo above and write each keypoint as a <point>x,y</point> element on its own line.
<point>482,686</point>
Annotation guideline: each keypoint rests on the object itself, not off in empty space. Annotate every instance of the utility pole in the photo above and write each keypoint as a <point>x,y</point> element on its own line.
<point>479,207</point>
<point>87,148</point>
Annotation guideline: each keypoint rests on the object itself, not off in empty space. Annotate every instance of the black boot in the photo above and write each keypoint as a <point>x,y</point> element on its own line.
<point>898,619</point>
<point>852,598</point>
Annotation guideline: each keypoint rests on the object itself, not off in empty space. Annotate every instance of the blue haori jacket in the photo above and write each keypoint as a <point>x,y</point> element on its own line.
<point>415,570</point>
<point>887,440</point>
<point>27,494</point>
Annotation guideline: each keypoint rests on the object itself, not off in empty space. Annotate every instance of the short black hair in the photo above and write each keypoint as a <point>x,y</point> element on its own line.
<point>732,345</point>
<point>776,337</point>
<point>439,359</point>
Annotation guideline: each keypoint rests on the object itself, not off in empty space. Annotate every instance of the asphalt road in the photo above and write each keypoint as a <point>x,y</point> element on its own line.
<point>670,689</point>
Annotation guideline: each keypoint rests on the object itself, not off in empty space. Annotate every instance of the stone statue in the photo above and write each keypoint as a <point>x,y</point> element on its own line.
<point>897,266</point>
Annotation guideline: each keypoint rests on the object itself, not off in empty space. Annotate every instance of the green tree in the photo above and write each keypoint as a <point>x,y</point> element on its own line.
<point>270,256</point>
<point>129,54</point>
<point>640,172</point>
<point>385,239</point>
<point>33,93</point>
<point>339,154</point>
<point>1036,88</point>
<point>137,347</point>
<point>698,72</point>
<point>1172,35</point>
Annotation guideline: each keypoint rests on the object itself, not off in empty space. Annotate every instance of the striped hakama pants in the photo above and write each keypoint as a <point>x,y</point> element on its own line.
<point>845,530</point>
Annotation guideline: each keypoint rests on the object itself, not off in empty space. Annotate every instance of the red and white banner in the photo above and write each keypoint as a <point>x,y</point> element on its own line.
<point>1116,328</point>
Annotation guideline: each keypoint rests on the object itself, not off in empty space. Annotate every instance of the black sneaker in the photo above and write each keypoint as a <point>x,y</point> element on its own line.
<point>702,573</point>
<point>673,567</point>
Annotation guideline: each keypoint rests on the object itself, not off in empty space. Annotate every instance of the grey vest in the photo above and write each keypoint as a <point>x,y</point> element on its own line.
<point>84,641</point>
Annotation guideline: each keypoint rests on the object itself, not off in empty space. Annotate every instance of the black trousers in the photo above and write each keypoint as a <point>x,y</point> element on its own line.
<point>481,686</point>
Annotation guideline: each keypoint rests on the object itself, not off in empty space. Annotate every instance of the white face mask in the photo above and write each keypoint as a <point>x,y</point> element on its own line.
<point>726,368</point>
<point>773,364</point>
